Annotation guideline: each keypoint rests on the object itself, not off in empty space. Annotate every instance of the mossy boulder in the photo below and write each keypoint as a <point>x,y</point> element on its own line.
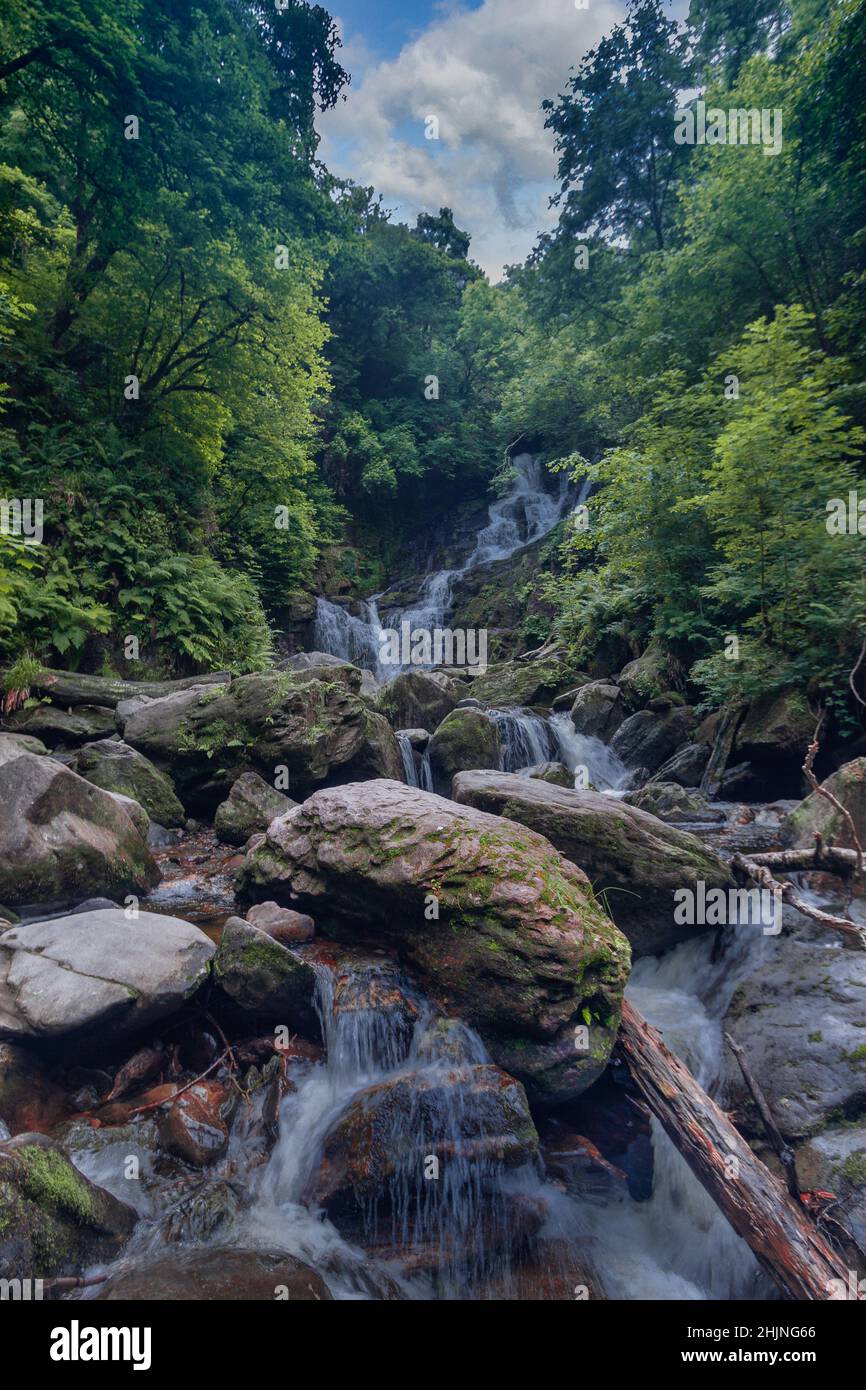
<point>60,728</point>
<point>818,816</point>
<point>774,735</point>
<point>116,767</point>
<point>262,978</point>
<point>556,773</point>
<point>249,808</point>
<point>533,683</point>
<point>315,723</point>
<point>53,1220</point>
<point>631,858</point>
<point>645,677</point>
<point>598,710</point>
<point>62,839</point>
<point>493,921</point>
<point>467,738</point>
<point>671,802</point>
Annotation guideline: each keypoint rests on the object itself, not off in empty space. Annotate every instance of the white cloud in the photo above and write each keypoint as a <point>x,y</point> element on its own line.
<point>484,73</point>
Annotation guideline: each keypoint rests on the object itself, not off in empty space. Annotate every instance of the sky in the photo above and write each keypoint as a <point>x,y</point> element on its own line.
<point>482,68</point>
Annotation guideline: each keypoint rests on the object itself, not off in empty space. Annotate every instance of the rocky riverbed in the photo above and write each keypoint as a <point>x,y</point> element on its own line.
<point>279,1020</point>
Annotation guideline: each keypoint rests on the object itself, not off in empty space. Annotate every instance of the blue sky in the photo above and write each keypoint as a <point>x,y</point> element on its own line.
<point>482,69</point>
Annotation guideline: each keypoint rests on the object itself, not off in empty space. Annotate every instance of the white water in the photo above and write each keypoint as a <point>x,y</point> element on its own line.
<point>604,768</point>
<point>525,514</point>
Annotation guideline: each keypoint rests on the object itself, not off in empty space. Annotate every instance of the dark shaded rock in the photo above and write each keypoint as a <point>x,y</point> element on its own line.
<point>59,727</point>
<point>686,767</point>
<point>419,699</point>
<point>598,710</point>
<point>467,738</point>
<point>648,739</point>
<point>262,977</point>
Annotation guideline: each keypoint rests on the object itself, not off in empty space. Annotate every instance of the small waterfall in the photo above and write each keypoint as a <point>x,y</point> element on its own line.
<point>354,639</point>
<point>604,769</point>
<point>525,738</point>
<point>409,767</point>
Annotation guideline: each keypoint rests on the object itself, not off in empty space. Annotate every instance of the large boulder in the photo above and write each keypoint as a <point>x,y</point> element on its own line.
<point>598,710</point>
<point>53,1220</point>
<point>635,860</point>
<point>249,808</point>
<point>216,1274</point>
<point>467,738</point>
<point>420,699</point>
<point>647,739</point>
<point>62,839</point>
<point>114,766</point>
<point>645,677</point>
<point>686,766</point>
<point>487,914</point>
<point>318,729</point>
<point>97,971</point>
<point>799,1020</point>
<point>818,816</point>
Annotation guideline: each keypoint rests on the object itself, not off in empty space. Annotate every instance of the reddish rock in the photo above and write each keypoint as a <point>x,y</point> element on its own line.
<point>29,1099</point>
<point>282,923</point>
<point>196,1128</point>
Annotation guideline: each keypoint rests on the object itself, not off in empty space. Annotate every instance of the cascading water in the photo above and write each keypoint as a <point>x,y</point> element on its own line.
<point>603,768</point>
<point>355,639</point>
<point>525,738</point>
<point>410,771</point>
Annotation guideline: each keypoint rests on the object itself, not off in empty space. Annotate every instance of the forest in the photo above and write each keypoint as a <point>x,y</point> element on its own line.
<point>251,422</point>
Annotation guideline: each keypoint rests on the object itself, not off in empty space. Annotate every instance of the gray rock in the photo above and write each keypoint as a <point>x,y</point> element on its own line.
<point>13,744</point>
<point>649,738</point>
<point>419,699</point>
<point>262,977</point>
<point>598,710</point>
<point>97,971</point>
<point>799,1020</point>
<point>116,767</point>
<point>687,766</point>
<point>557,773</point>
<point>671,802</point>
<point>62,727</point>
<point>136,813</point>
<point>63,839</point>
<point>250,807</point>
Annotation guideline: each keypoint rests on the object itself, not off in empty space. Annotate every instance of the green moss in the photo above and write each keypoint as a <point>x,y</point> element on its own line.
<point>854,1169</point>
<point>53,1182</point>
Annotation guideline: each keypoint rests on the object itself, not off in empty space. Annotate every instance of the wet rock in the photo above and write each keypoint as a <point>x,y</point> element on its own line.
<point>263,978</point>
<point>818,816</point>
<point>97,971</point>
<point>379,1145</point>
<point>54,1221</point>
<point>648,738</point>
<point>487,914</point>
<point>467,738</point>
<point>417,738</point>
<point>196,1126</point>
<point>449,1040</point>
<point>799,1020</point>
<point>598,710</point>
<point>282,923</point>
<point>835,1161</point>
<point>62,728</point>
<point>316,728</point>
<point>687,766</point>
<point>671,802</point>
<point>534,682</point>
<point>251,806</point>
<point>116,767</point>
<point>63,839</point>
<point>419,699</point>
<point>29,1099</point>
<point>635,858</point>
<point>218,1275</point>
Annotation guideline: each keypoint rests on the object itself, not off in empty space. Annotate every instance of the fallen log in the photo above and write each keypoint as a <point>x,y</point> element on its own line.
<point>70,688</point>
<point>784,1239</point>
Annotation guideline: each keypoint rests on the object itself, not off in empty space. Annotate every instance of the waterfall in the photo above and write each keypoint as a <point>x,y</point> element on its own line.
<point>604,769</point>
<point>354,639</point>
<point>525,738</point>
<point>408,756</point>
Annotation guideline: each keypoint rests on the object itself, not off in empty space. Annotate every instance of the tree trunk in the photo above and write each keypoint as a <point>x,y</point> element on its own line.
<point>785,1241</point>
<point>70,688</point>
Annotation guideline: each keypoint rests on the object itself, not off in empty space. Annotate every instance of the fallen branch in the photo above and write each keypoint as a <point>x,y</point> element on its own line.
<point>170,1100</point>
<point>784,1152</point>
<point>785,1242</point>
<point>752,868</point>
<point>72,1281</point>
<point>834,801</point>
